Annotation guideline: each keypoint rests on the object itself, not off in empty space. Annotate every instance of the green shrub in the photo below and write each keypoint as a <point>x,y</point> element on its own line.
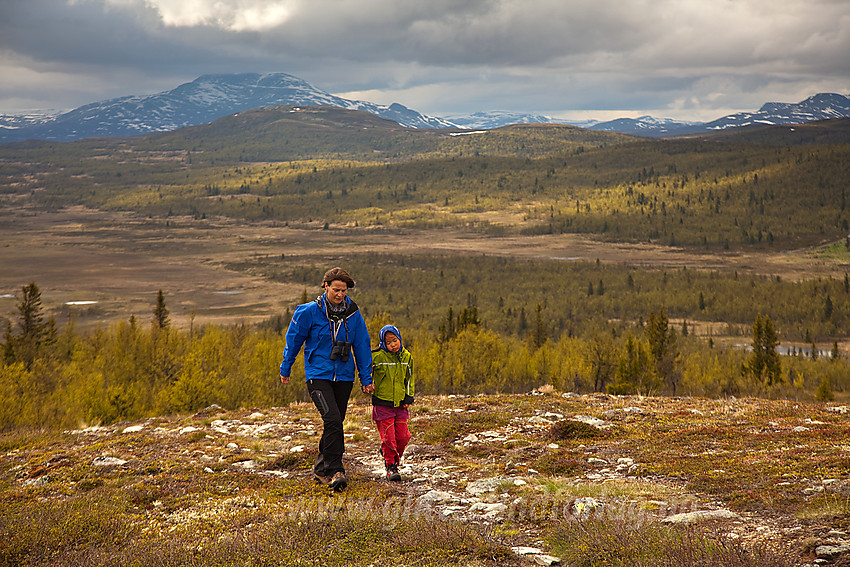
<point>570,429</point>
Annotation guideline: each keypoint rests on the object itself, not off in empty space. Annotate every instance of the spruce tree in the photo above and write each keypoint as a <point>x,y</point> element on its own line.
<point>160,312</point>
<point>34,333</point>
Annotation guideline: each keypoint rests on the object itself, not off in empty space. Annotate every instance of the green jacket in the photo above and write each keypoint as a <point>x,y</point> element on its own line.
<point>392,374</point>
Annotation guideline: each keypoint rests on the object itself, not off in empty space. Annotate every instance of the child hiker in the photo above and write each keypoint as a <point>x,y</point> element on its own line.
<point>392,375</point>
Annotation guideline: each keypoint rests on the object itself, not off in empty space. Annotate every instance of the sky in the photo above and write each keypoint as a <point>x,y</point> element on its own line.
<point>571,59</point>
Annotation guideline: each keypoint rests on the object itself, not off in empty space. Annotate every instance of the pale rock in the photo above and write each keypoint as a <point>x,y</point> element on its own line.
<point>297,449</point>
<point>491,434</point>
<point>691,517</point>
<point>617,411</point>
<point>552,446</point>
<point>479,487</point>
<point>108,462</point>
<point>246,464</point>
<point>800,429</point>
<point>594,421</point>
<point>267,428</point>
<point>436,496</point>
<point>596,461</point>
<point>188,429</point>
<point>584,506</point>
<point>520,550</point>
<point>256,415</point>
<point>471,438</point>
<point>232,446</point>
<point>488,510</point>
<point>133,429</point>
<point>40,481</point>
<point>538,420</point>
<point>831,551</point>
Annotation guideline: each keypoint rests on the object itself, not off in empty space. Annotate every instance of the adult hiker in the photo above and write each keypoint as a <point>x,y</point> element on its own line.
<point>335,339</point>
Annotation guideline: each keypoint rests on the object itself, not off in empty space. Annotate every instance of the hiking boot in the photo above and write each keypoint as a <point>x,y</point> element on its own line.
<point>392,473</point>
<point>321,479</point>
<point>338,481</point>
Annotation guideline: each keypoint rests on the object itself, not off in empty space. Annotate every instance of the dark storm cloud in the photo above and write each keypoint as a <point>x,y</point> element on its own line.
<point>440,56</point>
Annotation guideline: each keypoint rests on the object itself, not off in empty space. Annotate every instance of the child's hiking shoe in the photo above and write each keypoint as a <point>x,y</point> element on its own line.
<point>392,473</point>
<point>338,482</point>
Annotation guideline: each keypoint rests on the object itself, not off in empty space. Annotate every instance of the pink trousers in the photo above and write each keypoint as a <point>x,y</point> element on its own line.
<point>394,438</point>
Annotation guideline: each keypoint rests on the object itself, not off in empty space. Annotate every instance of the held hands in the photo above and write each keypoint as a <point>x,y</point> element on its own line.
<point>369,389</point>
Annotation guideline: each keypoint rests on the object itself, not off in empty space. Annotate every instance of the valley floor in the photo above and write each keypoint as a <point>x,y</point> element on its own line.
<point>101,267</point>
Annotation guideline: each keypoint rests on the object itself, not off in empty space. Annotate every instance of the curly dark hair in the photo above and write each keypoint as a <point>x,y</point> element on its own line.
<point>339,274</point>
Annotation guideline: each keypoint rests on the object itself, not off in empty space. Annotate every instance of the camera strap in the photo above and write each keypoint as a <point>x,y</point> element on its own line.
<point>333,322</point>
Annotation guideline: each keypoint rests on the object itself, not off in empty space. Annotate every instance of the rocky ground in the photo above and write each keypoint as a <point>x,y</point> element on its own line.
<point>764,473</point>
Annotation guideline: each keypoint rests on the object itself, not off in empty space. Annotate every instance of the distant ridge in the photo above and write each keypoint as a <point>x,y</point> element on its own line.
<point>821,106</point>
<point>205,99</point>
<point>211,97</point>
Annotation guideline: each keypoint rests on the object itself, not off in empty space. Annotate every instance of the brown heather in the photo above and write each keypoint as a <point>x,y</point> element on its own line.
<point>234,488</point>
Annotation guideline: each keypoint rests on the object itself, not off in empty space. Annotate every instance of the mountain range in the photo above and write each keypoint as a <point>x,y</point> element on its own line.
<point>210,97</point>
<point>818,107</point>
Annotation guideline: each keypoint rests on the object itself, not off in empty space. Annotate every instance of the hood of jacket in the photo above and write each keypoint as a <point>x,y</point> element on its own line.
<point>389,329</point>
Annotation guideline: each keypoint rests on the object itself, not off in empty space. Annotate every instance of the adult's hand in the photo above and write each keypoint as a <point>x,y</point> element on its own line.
<point>369,389</point>
<point>284,379</point>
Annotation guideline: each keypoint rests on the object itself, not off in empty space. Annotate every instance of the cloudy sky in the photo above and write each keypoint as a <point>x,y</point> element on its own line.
<point>574,59</point>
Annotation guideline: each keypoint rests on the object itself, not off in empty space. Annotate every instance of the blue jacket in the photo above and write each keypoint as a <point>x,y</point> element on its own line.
<point>313,329</point>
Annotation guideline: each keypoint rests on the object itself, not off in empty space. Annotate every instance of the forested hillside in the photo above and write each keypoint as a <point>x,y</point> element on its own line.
<point>771,187</point>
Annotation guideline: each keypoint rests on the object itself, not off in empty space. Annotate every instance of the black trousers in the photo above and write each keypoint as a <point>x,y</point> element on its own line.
<point>331,399</point>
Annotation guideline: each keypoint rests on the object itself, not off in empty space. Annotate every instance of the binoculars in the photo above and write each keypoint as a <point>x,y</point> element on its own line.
<point>341,350</point>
